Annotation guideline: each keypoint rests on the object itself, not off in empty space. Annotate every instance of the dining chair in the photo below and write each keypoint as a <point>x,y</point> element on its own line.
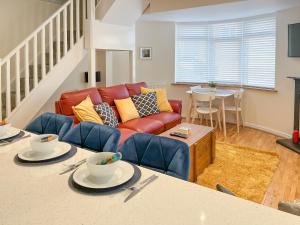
<point>203,105</point>
<point>50,123</point>
<point>195,88</point>
<point>94,137</point>
<point>292,207</point>
<point>221,188</point>
<point>162,154</point>
<point>237,108</point>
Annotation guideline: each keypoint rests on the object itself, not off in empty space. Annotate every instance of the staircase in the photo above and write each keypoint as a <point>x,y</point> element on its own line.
<point>30,63</point>
<point>33,71</point>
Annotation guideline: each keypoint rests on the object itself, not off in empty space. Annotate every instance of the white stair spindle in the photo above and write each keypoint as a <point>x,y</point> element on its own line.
<point>18,89</point>
<point>84,4</point>
<point>43,48</point>
<point>71,24</point>
<point>26,64</point>
<point>50,45</point>
<point>35,61</point>
<point>77,21</point>
<point>0,91</point>
<point>57,38</point>
<point>8,94</point>
<point>65,31</point>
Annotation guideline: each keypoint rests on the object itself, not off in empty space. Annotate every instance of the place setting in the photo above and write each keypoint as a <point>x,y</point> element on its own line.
<point>9,134</point>
<point>45,149</point>
<point>106,173</point>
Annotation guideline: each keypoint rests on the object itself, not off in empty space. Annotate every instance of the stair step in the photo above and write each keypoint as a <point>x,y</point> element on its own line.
<point>31,75</point>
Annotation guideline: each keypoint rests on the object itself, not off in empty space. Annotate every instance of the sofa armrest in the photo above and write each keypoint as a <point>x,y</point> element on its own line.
<point>58,108</point>
<point>176,105</point>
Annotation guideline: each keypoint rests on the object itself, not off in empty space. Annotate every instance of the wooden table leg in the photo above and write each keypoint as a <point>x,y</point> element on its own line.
<point>224,119</point>
<point>190,107</point>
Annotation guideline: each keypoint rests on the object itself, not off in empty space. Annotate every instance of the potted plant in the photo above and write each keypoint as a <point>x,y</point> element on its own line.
<point>212,85</point>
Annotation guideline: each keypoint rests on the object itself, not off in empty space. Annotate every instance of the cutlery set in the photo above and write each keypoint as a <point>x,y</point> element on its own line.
<point>4,142</point>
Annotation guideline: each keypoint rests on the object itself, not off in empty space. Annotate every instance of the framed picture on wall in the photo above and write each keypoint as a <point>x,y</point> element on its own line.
<point>146,53</point>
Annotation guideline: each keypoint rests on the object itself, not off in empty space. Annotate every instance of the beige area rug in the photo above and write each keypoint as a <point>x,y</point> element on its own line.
<point>244,171</point>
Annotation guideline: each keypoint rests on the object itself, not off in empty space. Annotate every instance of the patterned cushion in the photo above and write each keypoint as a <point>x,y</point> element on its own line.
<point>146,104</point>
<point>107,114</point>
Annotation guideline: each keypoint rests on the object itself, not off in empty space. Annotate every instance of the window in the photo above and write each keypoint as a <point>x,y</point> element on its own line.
<point>240,52</point>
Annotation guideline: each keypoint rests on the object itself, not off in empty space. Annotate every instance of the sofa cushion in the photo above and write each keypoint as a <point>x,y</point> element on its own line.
<point>85,112</point>
<point>69,99</point>
<point>125,134</point>
<point>144,125</point>
<point>146,104</point>
<point>135,88</point>
<point>114,108</point>
<point>162,100</point>
<point>126,109</point>
<point>169,119</point>
<point>109,94</point>
<point>107,114</point>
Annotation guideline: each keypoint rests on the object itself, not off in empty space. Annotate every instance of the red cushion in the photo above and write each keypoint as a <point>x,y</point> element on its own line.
<point>109,94</point>
<point>144,125</point>
<point>69,99</point>
<point>125,134</point>
<point>169,119</point>
<point>135,88</point>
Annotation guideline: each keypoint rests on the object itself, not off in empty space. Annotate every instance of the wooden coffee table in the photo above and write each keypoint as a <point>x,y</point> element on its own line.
<point>202,143</point>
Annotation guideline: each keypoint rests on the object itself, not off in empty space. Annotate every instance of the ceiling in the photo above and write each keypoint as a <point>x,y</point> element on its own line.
<point>221,12</point>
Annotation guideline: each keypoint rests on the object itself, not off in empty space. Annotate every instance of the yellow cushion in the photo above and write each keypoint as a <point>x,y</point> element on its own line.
<point>126,109</point>
<point>85,111</point>
<point>162,99</point>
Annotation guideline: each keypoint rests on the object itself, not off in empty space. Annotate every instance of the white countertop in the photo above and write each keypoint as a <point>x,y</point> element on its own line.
<point>37,195</point>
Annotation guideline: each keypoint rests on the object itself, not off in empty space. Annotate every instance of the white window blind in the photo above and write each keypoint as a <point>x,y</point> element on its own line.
<point>241,52</point>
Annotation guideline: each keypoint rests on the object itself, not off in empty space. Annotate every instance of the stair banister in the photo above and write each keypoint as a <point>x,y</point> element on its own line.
<point>0,88</point>
<point>38,39</point>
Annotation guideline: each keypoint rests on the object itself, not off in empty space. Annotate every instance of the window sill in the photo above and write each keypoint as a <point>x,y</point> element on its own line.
<point>229,86</point>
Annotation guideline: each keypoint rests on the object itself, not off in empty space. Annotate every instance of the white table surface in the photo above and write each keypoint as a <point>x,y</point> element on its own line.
<point>221,93</point>
<point>37,195</point>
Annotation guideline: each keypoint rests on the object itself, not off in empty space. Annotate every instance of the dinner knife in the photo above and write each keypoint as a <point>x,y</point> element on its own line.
<point>136,191</point>
<point>73,167</point>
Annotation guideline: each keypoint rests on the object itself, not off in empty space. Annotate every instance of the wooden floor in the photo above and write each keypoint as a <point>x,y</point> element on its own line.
<point>286,181</point>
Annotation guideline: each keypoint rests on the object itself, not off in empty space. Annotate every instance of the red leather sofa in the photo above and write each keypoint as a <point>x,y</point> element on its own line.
<point>154,124</point>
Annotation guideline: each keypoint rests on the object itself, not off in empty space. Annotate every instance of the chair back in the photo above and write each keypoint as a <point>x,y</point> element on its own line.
<point>50,123</point>
<point>161,154</point>
<point>221,188</point>
<point>94,137</point>
<point>195,88</point>
<point>238,96</point>
<point>203,97</point>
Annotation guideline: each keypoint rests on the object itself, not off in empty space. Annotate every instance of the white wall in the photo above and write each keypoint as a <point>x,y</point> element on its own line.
<point>271,111</point>
<point>75,81</point>
<point>18,18</point>
<point>120,67</point>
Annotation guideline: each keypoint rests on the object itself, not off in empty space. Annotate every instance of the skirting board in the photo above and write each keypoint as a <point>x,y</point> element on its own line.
<point>269,130</point>
<point>263,128</point>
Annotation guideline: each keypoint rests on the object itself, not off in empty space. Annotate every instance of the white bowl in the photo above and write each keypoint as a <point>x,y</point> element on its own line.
<point>4,129</point>
<point>43,147</point>
<point>101,173</point>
